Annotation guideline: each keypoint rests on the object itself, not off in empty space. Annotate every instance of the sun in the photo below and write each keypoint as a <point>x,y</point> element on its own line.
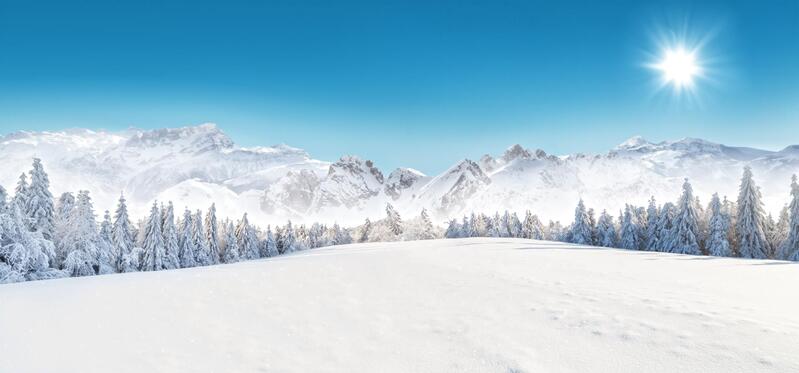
<point>679,67</point>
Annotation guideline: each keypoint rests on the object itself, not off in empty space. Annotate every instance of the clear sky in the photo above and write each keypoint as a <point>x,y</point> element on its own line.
<point>405,83</point>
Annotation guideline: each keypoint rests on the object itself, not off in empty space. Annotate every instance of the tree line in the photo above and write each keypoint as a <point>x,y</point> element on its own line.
<point>739,228</point>
<point>43,238</point>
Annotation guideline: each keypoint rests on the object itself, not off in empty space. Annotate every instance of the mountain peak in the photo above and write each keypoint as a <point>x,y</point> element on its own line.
<point>633,143</point>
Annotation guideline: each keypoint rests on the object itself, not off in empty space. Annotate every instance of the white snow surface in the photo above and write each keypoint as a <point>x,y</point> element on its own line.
<point>465,305</point>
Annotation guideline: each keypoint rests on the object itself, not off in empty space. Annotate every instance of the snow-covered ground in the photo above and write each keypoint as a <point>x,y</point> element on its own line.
<point>466,305</point>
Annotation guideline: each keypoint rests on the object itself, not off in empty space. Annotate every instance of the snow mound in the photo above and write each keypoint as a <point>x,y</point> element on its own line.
<point>466,305</point>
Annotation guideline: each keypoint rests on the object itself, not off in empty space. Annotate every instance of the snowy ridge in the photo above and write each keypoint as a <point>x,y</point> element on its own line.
<point>195,165</point>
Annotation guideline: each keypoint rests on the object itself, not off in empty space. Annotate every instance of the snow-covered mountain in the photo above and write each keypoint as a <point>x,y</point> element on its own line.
<point>193,166</point>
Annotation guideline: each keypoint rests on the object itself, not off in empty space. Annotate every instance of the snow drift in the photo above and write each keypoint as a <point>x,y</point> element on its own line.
<point>465,305</point>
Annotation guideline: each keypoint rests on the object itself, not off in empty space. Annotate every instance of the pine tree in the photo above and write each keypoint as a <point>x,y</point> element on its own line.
<point>467,229</point>
<point>532,228</point>
<point>39,206</point>
<point>231,252</point>
<point>286,242</point>
<point>170,236</point>
<point>781,233</point>
<point>64,209</point>
<point>122,237</point>
<point>153,245</point>
<point>427,232</point>
<point>211,230</point>
<point>247,241</point>
<point>270,246</point>
<point>21,195</point>
<point>453,229</point>
<point>685,228</point>
<point>187,250</point>
<point>26,254</point>
<point>202,252</point>
<point>366,228</point>
<point>630,239</point>
<point>718,229</point>
<point>581,232</point>
<point>652,217</point>
<point>750,224</point>
<point>80,242</point>
<point>393,220</point>
<point>790,246</point>
<point>606,230</point>
<point>3,199</point>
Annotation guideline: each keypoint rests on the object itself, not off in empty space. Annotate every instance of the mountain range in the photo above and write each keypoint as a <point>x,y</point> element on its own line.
<point>194,166</point>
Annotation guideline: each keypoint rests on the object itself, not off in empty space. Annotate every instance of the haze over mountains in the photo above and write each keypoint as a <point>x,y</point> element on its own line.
<point>194,166</point>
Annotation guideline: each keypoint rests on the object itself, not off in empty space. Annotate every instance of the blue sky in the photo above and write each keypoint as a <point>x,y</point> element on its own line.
<point>404,83</point>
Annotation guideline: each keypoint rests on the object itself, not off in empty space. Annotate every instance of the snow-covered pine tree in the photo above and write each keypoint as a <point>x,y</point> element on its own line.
<point>270,247</point>
<point>790,246</point>
<point>685,228</point>
<point>366,228</point>
<point>186,247</point>
<point>606,230</point>
<point>665,227</point>
<point>781,232</point>
<point>153,245</point>
<point>211,230</point>
<point>64,208</point>
<point>105,245</point>
<point>751,220</point>
<point>629,237</point>
<point>287,239</point>
<point>652,216</point>
<point>171,240</point>
<point>39,206</point>
<point>316,236</point>
<point>231,247</point>
<point>592,224</point>
<point>3,199</point>
<point>427,232</point>
<point>467,228</point>
<point>393,220</point>
<point>246,240</point>
<point>453,229</point>
<point>202,253</point>
<point>581,228</point>
<point>21,194</point>
<point>718,229</point>
<point>531,227</point>
<point>122,238</point>
<point>24,254</point>
<point>80,242</point>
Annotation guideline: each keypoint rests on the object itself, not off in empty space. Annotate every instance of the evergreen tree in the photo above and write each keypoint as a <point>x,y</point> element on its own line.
<point>427,232</point>
<point>80,242</point>
<point>592,224</point>
<point>39,206</point>
<point>247,240</point>
<point>718,229</point>
<point>287,240</point>
<point>453,229</point>
<point>685,228</point>
<point>581,233</point>
<point>664,227</point>
<point>393,220</point>
<point>21,195</point>
<point>751,221</point>
<point>790,246</point>
<point>606,230</point>
<point>532,227</point>
<point>171,240</point>
<point>339,236</point>
<point>122,237</point>
<point>25,254</point>
<point>153,245</point>
<point>231,252</point>
<point>270,246</point>
<point>3,199</point>
<point>630,239</point>
<point>780,233</point>
<point>467,229</point>
<point>187,250</point>
<point>211,229</point>
<point>652,217</point>
<point>202,251</point>
<point>366,228</point>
